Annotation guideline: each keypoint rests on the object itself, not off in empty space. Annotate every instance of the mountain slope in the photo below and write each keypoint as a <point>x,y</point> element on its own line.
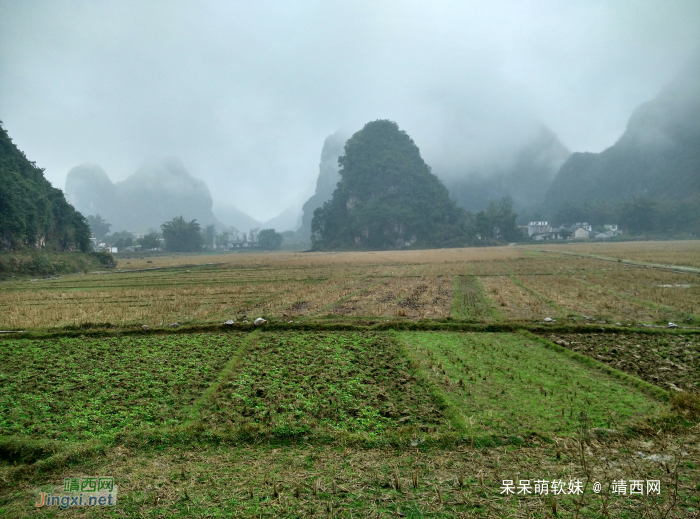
<point>326,182</point>
<point>525,177</point>
<point>658,156</point>
<point>232,216</point>
<point>32,212</point>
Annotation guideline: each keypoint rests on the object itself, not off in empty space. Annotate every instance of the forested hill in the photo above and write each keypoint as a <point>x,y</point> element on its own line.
<point>658,156</point>
<point>387,198</point>
<point>32,212</point>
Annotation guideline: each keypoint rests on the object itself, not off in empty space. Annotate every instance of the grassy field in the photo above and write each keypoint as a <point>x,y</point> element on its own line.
<point>505,385</point>
<point>386,384</point>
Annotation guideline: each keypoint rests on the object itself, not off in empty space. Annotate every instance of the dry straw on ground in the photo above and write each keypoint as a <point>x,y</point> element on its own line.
<point>520,283</point>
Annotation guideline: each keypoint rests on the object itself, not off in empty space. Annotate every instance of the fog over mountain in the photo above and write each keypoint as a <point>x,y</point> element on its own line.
<point>523,173</point>
<point>328,178</point>
<point>657,157</point>
<point>245,93</point>
<point>157,192</point>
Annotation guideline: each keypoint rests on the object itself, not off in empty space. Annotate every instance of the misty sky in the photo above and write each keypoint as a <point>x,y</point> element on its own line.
<point>245,92</point>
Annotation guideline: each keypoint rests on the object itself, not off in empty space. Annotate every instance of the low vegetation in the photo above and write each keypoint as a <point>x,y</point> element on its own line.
<point>505,385</point>
<point>77,389</point>
<point>47,264</point>
<point>296,384</point>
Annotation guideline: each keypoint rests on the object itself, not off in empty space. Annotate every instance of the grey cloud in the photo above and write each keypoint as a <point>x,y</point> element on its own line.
<point>246,92</point>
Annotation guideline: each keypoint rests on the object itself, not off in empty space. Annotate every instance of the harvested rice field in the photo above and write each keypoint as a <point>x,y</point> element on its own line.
<point>506,283</point>
<point>380,384</point>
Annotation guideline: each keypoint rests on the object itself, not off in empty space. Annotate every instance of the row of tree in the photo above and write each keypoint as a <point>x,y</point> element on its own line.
<point>637,215</point>
<point>180,235</point>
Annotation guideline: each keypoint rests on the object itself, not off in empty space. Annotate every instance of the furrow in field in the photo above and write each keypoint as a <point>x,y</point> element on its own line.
<point>414,297</point>
<point>568,293</point>
<point>468,301</point>
<point>512,301</point>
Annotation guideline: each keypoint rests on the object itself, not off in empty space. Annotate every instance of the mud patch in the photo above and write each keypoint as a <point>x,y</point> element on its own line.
<point>669,361</point>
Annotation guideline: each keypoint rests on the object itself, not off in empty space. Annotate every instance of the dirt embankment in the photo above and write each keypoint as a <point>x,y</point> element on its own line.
<point>671,361</point>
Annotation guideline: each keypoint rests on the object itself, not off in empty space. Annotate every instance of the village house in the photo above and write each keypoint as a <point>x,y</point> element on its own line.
<point>581,233</point>
<point>538,228</point>
<point>543,231</point>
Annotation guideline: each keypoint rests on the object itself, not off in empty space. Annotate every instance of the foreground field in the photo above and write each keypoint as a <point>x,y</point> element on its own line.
<point>409,384</point>
<point>334,424</point>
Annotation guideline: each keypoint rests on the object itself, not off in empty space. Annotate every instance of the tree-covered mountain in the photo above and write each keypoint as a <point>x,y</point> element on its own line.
<point>156,193</point>
<point>523,174</point>
<point>326,183</point>
<point>387,198</point>
<point>32,212</point>
<point>657,158</point>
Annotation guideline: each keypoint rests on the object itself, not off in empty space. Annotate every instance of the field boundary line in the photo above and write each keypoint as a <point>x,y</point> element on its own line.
<point>157,268</point>
<point>455,418</point>
<point>360,324</point>
<point>629,380</point>
<point>225,372</point>
<point>61,458</point>
<point>660,266</point>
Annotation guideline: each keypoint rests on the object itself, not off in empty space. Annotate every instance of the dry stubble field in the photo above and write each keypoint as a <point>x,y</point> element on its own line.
<point>501,284</point>
<point>335,410</point>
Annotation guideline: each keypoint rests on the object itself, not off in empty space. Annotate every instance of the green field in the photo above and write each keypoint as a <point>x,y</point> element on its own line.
<point>292,384</point>
<point>506,385</point>
<point>78,388</point>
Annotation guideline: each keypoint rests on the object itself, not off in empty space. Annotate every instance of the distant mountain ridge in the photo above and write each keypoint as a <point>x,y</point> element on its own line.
<point>658,156</point>
<point>156,193</point>
<point>328,178</point>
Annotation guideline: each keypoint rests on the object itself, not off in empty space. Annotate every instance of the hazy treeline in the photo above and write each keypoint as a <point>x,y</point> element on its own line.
<point>181,235</point>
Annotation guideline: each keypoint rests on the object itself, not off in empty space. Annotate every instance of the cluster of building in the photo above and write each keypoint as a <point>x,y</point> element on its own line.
<point>104,247</point>
<point>542,231</point>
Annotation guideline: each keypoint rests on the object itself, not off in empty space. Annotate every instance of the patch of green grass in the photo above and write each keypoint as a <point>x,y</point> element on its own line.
<point>504,384</point>
<point>292,384</point>
<point>468,301</point>
<point>81,389</point>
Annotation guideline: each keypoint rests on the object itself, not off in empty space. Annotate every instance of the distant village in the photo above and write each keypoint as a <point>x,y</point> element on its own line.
<point>104,247</point>
<point>542,231</point>
<point>535,231</point>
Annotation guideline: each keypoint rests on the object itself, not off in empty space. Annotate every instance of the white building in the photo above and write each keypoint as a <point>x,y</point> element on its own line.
<point>538,228</point>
